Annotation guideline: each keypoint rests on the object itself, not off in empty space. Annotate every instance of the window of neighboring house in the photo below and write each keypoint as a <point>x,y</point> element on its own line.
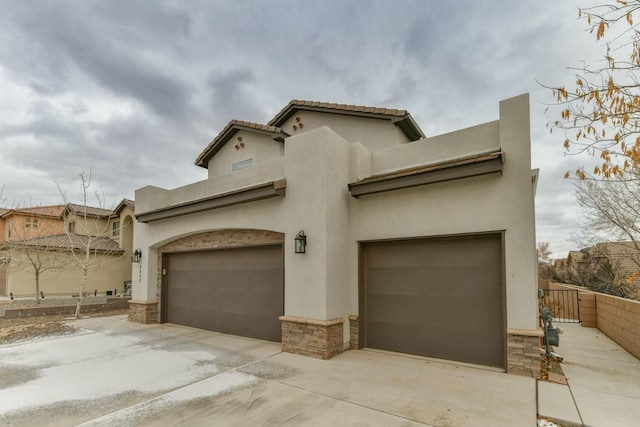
<point>9,229</point>
<point>242,165</point>
<point>28,223</point>
<point>35,222</point>
<point>115,229</point>
<point>71,227</point>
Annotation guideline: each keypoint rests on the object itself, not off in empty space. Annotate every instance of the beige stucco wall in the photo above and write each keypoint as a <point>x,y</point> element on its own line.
<point>473,205</point>
<point>318,164</point>
<point>108,274</point>
<point>19,229</point>
<point>465,142</point>
<point>126,218</point>
<point>94,226</point>
<point>150,198</point>
<point>259,147</point>
<point>375,134</point>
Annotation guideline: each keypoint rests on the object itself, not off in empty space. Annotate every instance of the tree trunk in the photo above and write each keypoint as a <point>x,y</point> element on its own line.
<point>85,267</point>
<point>37,287</point>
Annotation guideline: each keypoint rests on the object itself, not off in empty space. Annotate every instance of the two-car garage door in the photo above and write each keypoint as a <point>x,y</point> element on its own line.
<point>436,297</point>
<point>440,297</point>
<point>238,291</point>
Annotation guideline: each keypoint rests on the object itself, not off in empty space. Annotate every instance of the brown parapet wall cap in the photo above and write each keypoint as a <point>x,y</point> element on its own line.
<point>252,193</point>
<point>466,167</point>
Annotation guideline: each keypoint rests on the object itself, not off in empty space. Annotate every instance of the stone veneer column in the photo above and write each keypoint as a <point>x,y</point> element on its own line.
<point>310,337</point>
<point>354,329</point>
<point>523,352</point>
<point>143,312</point>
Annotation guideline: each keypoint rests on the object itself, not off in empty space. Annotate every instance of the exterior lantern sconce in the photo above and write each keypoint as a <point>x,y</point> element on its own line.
<point>301,242</point>
<point>137,255</point>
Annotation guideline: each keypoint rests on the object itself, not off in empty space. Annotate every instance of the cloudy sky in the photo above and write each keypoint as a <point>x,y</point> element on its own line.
<point>134,90</point>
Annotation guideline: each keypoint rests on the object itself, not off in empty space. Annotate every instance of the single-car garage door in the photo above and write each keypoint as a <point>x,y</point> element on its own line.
<point>238,291</point>
<point>439,297</point>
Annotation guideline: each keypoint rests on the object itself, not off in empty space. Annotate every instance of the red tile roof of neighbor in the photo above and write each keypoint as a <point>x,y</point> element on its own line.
<point>91,211</point>
<point>124,203</point>
<point>69,241</point>
<point>43,211</point>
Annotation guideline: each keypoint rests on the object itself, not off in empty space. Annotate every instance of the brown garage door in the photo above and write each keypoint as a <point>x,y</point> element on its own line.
<point>436,297</point>
<point>237,291</point>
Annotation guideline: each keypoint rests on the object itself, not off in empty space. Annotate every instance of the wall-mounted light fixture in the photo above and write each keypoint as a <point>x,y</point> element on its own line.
<point>137,255</point>
<point>301,242</point>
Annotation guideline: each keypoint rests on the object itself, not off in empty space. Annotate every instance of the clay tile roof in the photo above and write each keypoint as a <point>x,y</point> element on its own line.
<point>91,211</point>
<point>71,241</point>
<point>231,129</point>
<point>53,211</point>
<point>124,203</point>
<point>401,118</point>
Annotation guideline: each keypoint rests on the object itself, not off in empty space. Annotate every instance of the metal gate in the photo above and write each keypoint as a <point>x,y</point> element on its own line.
<point>564,305</point>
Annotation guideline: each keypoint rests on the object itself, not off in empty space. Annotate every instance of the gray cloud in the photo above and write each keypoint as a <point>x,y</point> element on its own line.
<point>65,45</point>
<point>135,89</point>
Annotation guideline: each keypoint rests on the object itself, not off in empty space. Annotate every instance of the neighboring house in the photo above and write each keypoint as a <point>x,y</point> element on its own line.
<point>611,267</point>
<point>624,257</point>
<point>53,249</point>
<point>413,244</point>
<point>23,223</point>
<point>575,259</point>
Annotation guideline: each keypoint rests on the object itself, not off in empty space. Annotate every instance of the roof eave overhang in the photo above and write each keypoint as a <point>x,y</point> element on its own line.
<point>409,127</point>
<point>243,195</point>
<point>208,153</point>
<point>405,122</point>
<point>465,168</point>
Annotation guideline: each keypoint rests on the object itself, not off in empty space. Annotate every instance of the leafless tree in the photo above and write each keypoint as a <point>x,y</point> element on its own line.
<point>29,249</point>
<point>611,210</point>
<point>597,270</point>
<point>90,246</point>
<point>543,251</point>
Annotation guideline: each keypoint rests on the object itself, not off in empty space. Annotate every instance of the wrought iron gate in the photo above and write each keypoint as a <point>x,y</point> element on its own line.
<point>564,305</point>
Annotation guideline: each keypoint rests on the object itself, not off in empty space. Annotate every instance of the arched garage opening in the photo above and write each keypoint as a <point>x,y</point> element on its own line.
<point>229,281</point>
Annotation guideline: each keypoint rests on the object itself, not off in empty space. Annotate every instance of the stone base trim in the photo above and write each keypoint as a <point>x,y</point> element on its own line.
<point>523,352</point>
<point>310,337</point>
<point>143,312</point>
<point>354,329</point>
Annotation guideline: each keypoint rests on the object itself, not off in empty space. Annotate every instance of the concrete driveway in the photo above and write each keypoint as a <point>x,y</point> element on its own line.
<point>121,373</point>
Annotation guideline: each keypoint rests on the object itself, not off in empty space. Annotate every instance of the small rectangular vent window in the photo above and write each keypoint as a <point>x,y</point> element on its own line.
<point>242,165</point>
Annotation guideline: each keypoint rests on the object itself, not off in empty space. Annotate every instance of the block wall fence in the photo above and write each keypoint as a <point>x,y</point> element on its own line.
<point>618,318</point>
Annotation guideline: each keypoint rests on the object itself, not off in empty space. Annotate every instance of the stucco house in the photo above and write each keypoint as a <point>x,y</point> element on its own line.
<point>337,227</point>
<point>23,223</point>
<point>48,245</point>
